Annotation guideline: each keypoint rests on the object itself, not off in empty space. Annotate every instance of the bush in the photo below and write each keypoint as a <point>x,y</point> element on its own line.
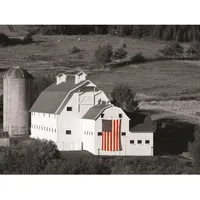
<point>103,54</point>
<point>4,40</point>
<point>172,49</point>
<point>123,97</point>
<point>194,149</point>
<point>29,158</point>
<point>194,50</point>
<point>28,39</point>
<point>138,58</point>
<point>78,165</point>
<point>74,50</point>
<point>120,53</point>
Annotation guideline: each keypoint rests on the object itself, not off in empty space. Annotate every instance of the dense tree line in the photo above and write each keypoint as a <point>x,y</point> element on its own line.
<point>180,33</point>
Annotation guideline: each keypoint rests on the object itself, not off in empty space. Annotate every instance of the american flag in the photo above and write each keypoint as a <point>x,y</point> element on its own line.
<point>111,135</point>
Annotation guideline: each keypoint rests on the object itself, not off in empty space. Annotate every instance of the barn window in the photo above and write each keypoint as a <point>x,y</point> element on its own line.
<point>49,129</point>
<point>99,133</point>
<point>69,108</point>
<point>120,115</point>
<point>55,130</point>
<point>131,141</point>
<point>102,115</point>
<point>39,127</point>
<point>44,114</point>
<point>52,129</point>
<point>139,141</point>
<point>42,127</point>
<point>49,115</point>
<point>68,132</point>
<point>147,141</point>
<point>123,133</point>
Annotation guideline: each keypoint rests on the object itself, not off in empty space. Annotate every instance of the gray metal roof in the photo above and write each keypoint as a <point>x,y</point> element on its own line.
<point>94,111</point>
<point>52,97</point>
<point>17,72</point>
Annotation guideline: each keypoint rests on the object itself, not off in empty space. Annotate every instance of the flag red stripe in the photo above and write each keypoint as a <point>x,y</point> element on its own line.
<point>110,140</point>
<point>116,139</point>
<point>107,141</point>
<point>113,136</point>
<point>118,133</point>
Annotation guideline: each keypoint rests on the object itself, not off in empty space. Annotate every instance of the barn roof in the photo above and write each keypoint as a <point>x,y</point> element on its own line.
<point>53,96</point>
<point>96,110</point>
<point>140,122</point>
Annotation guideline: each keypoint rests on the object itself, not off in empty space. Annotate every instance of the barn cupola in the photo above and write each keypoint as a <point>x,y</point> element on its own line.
<point>80,76</point>
<point>61,78</point>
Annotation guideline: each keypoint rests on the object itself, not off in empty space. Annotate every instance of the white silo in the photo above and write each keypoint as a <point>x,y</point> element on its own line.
<point>17,100</point>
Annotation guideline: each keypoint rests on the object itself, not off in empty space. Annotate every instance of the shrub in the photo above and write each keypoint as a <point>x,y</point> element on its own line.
<point>194,149</point>
<point>138,58</point>
<point>172,49</point>
<point>78,165</point>
<point>194,50</point>
<point>123,96</point>
<point>4,39</point>
<point>74,50</point>
<point>103,54</point>
<point>120,53</point>
<point>29,158</point>
<point>27,39</point>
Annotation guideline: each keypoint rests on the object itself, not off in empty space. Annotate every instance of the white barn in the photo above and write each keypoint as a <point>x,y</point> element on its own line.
<point>72,113</point>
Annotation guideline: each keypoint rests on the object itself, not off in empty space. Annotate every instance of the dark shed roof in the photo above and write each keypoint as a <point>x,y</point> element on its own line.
<point>52,97</point>
<point>140,122</point>
<point>94,111</point>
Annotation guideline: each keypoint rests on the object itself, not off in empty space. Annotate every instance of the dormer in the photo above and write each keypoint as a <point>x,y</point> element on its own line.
<point>80,76</point>
<point>61,78</point>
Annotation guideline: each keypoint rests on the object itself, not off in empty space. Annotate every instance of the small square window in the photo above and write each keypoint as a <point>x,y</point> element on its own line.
<point>69,108</point>
<point>131,141</point>
<point>68,132</point>
<point>139,141</point>
<point>123,133</point>
<point>102,115</point>
<point>99,133</point>
<point>147,141</point>
<point>120,115</point>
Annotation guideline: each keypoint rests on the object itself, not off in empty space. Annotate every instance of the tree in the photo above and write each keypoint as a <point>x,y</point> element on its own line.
<point>194,50</point>
<point>172,49</point>
<point>103,54</point>
<point>194,149</point>
<point>120,53</point>
<point>123,97</point>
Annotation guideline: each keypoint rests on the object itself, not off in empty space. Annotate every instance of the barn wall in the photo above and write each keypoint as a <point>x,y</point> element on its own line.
<point>111,113</point>
<point>44,126</point>
<point>88,134</point>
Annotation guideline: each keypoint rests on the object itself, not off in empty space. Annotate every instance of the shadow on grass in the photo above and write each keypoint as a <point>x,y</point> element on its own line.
<point>172,137</point>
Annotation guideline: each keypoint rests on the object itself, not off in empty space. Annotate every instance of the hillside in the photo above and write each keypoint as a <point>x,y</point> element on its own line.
<point>161,86</point>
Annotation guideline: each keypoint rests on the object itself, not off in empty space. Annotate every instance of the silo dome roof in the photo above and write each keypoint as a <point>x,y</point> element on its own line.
<point>17,72</point>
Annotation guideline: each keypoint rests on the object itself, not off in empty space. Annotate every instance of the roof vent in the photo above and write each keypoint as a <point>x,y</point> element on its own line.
<point>61,78</point>
<point>80,76</point>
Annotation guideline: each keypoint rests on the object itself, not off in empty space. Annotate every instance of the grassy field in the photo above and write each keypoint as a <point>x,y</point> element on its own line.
<point>171,88</point>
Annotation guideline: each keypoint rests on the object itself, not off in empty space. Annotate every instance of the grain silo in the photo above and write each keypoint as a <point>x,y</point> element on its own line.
<point>17,100</point>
